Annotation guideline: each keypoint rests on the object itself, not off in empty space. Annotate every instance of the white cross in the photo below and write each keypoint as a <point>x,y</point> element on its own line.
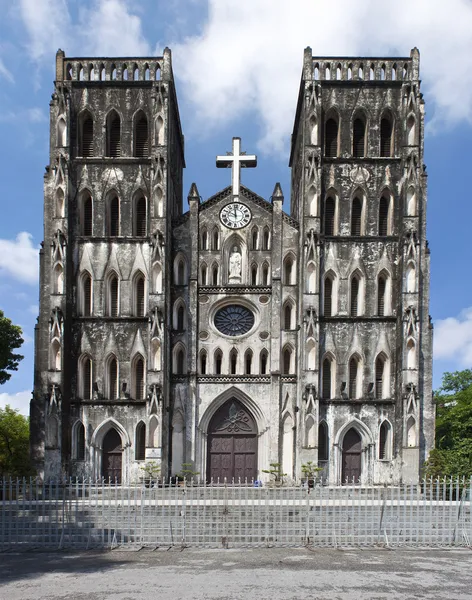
<point>236,160</point>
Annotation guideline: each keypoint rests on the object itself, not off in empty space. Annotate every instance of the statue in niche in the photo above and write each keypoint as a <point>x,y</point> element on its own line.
<point>235,260</point>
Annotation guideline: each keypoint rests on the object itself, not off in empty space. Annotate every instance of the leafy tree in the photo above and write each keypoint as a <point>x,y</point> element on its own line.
<point>14,443</point>
<point>10,339</point>
<point>453,452</point>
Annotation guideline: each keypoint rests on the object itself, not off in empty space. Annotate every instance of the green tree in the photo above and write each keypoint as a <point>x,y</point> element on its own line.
<point>14,443</point>
<point>453,452</point>
<point>10,339</point>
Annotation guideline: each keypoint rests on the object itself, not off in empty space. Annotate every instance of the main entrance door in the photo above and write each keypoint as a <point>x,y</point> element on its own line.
<point>232,443</point>
<point>352,448</point>
<point>112,456</point>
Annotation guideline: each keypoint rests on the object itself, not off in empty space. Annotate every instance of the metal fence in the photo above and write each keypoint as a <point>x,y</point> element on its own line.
<point>85,514</point>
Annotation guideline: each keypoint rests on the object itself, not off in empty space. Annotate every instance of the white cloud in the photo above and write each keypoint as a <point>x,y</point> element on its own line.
<point>19,258</point>
<point>19,401</point>
<point>249,54</point>
<point>453,338</point>
<point>47,23</point>
<point>5,73</point>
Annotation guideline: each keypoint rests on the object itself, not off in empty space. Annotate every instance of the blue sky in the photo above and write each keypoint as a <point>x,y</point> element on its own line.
<point>237,68</point>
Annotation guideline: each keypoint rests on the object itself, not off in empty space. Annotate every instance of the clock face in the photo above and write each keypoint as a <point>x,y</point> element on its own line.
<point>235,215</point>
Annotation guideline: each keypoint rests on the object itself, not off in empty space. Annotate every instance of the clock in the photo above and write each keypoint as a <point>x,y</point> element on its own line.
<point>235,215</point>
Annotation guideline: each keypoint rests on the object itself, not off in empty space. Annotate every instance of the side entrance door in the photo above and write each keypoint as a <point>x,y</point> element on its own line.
<point>112,456</point>
<point>352,449</point>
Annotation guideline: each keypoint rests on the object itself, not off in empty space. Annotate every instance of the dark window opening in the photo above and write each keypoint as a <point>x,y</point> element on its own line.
<point>386,137</point>
<point>86,146</point>
<point>140,450</point>
<point>356,217</point>
<point>328,216</point>
<point>354,296</point>
<point>331,138</point>
<point>326,383</point>
<point>140,218</point>
<point>383,216</point>
<point>358,138</point>
<point>142,138</point>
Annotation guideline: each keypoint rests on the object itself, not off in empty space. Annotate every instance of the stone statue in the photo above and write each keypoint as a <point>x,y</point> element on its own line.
<point>235,264</point>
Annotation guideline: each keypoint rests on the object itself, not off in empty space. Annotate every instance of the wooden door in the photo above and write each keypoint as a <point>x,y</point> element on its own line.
<point>352,449</point>
<point>232,444</point>
<point>112,456</point>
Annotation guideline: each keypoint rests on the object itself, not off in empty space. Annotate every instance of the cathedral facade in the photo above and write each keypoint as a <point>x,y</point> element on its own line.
<point>232,336</point>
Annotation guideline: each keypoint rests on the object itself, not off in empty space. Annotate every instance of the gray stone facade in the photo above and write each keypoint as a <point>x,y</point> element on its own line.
<point>138,352</point>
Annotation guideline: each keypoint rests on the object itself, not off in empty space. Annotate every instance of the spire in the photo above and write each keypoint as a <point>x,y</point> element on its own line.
<point>193,193</point>
<point>277,194</point>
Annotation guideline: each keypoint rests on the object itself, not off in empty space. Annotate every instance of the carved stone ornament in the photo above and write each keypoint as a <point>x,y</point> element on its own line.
<point>359,175</point>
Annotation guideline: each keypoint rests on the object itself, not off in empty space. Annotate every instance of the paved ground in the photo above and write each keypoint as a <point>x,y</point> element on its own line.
<point>264,574</point>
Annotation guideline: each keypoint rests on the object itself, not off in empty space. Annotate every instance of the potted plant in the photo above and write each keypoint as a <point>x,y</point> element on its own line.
<point>186,474</point>
<point>276,472</point>
<point>310,472</point>
<point>151,472</point>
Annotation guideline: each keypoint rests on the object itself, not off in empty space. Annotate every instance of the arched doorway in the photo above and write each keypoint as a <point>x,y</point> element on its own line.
<point>232,443</point>
<point>112,456</point>
<point>352,451</point>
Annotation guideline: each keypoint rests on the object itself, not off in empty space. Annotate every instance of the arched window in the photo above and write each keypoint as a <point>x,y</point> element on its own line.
<point>411,278</point>
<point>287,361</point>
<point>102,72</point>
<point>356,217</point>
<point>312,201</point>
<point>159,131</point>
<point>372,72</point>
<point>139,379</point>
<point>135,73</point>
<point>381,295</point>
<point>323,441</point>
<point>327,377</point>
<point>265,274</point>
<point>113,72</point>
<point>180,271</point>
<point>61,133</point>
<point>216,239</point>
<point>124,73</point>
<point>79,441</point>
<point>85,295</point>
<point>411,202</point>
<point>203,274</point>
<point>386,128</point>
<point>355,296</point>
<point>354,378</point>
<point>328,225</point>
<point>179,361</point>
<point>204,239</point>
<point>382,72</point>
<point>328,297</point>
<point>139,295</point>
<point>146,72</point>
<point>112,301</point>
<point>311,278</point>
<point>86,215</point>
<point>180,318</point>
<point>214,275</point>
<point>141,136</point>
<point>331,137</point>
<point>288,270</point>
<point>411,131</point>
<point>85,378</point>
<point>263,362</point>
<point>349,71</point>
<point>113,135</point>
<point>384,210</point>
<point>380,377</point>
<point>58,279</point>
<point>288,311</point>
<point>233,361</point>
<point>411,355</point>
<point>384,441</point>
<point>254,274</point>
<point>156,354</point>
<point>203,362</point>
<point>218,358</point>
<point>248,362</point>
<point>339,72</point>
<point>358,138</point>
<point>113,216</point>
<point>86,135</point>
<point>140,444</point>
<point>154,434</point>
<point>360,72</point>
<point>266,239</point>
<point>140,217</point>
<point>254,238</point>
<point>112,379</point>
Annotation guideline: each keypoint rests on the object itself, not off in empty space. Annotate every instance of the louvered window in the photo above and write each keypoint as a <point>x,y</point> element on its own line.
<point>383,216</point>
<point>140,217</point>
<point>86,149</point>
<point>354,296</point>
<point>386,137</point>
<point>114,217</point>
<point>80,442</point>
<point>113,377</point>
<point>358,138</point>
<point>356,217</point>
<point>87,378</point>
<point>114,136</point>
<point>328,216</point>
<point>113,295</point>
<point>180,362</point>
<point>142,138</point>
<point>140,296</point>
<point>140,450</point>
<point>87,296</point>
<point>139,379</point>
<point>383,438</point>
<point>331,138</point>
<point>353,367</point>
<point>381,296</point>
<point>288,317</point>
<point>379,375</point>
<point>326,387</point>
<point>87,216</point>
<point>328,296</point>
<point>323,450</point>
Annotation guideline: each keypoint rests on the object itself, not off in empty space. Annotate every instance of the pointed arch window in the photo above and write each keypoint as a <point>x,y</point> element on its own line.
<point>328,297</point>
<point>203,362</point>
<point>288,270</point>
<point>203,276</point>
<point>263,362</point>
<point>356,217</point>
<point>379,377</point>
<point>113,216</point>
<point>56,356</point>
<point>60,203</point>
<point>204,239</point>
<point>139,379</point>
<point>180,361</point>
<point>331,137</point>
<point>265,274</point>
<point>323,441</point>
<point>326,384</point>
<point>287,361</point>
<point>385,441</point>
<point>86,135</point>
<point>354,378</point>
<point>113,135</point>
<point>266,239</point>
<point>411,130</point>
<point>329,216</point>
<point>58,275</point>
<point>86,221</point>
<point>218,357</point>
<point>140,217</point>
<point>233,361</point>
<point>310,432</point>
<point>79,441</point>
<point>288,311</point>
<point>411,202</point>
<point>141,136</point>
<point>358,138</point>
<point>112,296</point>
<point>411,355</point>
<point>411,432</point>
<point>254,237</point>
<point>384,206</point>
<point>216,239</point>
<point>254,274</point>
<point>214,275</point>
<point>248,362</point>
<point>355,296</point>
<point>85,387</point>
<point>381,295</point>
<point>112,382</point>
<point>61,133</point>
<point>313,131</point>
<point>386,128</point>
<point>139,295</point>
<point>85,296</point>
<point>140,443</point>
<point>180,318</point>
<point>411,278</point>
<point>180,279</point>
